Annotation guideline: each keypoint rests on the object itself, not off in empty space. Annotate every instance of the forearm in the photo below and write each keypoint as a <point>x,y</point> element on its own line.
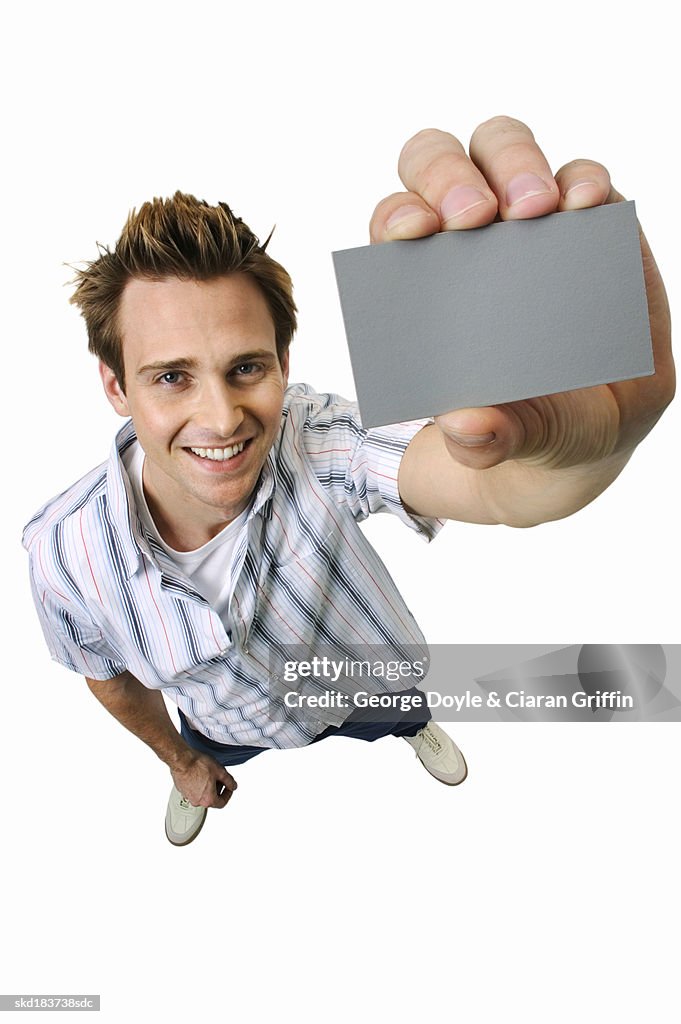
<point>144,713</point>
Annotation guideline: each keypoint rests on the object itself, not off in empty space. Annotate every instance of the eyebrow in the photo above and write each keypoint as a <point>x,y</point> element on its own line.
<point>173,365</point>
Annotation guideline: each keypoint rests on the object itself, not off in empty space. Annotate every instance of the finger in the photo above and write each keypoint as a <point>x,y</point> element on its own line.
<point>209,798</point>
<point>225,786</point>
<point>435,166</point>
<point>402,215</point>
<point>228,780</point>
<point>506,153</point>
<point>584,183</point>
<point>217,797</point>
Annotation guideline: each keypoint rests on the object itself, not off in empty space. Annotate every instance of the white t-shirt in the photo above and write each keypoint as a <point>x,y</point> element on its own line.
<point>208,567</point>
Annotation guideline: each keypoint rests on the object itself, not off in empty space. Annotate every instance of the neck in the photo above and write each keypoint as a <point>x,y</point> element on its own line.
<point>179,533</point>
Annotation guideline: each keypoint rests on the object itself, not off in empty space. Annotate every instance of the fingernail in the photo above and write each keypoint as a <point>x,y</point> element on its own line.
<point>472,440</point>
<point>459,200</point>
<point>524,185</point>
<point>403,216</point>
<point>576,186</point>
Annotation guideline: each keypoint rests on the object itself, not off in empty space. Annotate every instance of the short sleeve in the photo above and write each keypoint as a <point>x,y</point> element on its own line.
<point>375,467</point>
<point>359,466</point>
<point>73,640</point>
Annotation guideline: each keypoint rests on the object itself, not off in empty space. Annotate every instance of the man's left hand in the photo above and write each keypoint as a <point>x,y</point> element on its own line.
<point>507,177</point>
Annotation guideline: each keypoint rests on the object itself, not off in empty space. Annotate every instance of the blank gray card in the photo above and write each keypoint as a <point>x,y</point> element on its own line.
<point>509,311</point>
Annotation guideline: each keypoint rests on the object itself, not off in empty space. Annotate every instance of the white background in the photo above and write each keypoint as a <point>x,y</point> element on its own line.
<point>342,881</point>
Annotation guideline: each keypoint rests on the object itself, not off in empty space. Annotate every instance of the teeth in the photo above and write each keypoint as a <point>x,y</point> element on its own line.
<point>218,454</point>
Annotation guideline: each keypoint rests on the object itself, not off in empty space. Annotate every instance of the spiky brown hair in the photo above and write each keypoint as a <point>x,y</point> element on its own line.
<point>180,237</point>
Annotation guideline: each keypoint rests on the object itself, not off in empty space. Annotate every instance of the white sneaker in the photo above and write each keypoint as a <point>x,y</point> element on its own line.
<point>438,754</point>
<point>183,820</point>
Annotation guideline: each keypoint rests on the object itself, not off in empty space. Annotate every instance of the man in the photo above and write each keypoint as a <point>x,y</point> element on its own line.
<point>224,526</point>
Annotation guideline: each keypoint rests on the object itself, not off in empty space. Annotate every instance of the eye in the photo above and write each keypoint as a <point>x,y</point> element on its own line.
<point>249,370</point>
<point>170,378</point>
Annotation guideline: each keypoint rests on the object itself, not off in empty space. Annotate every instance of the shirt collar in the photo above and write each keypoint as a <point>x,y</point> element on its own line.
<point>122,503</point>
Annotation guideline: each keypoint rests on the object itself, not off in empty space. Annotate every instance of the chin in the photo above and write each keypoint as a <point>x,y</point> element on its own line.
<point>227,498</point>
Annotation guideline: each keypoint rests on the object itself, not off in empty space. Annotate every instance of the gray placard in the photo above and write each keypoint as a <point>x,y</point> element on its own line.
<point>509,311</point>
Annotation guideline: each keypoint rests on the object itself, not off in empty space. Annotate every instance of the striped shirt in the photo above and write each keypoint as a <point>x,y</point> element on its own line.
<point>110,599</point>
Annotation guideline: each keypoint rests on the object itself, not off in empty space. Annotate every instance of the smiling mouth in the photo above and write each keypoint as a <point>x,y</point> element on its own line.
<point>220,454</point>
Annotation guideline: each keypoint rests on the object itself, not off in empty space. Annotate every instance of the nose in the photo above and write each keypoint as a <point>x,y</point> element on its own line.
<point>219,412</point>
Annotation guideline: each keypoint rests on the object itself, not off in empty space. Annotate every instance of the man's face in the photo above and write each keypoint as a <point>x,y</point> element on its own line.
<point>202,378</point>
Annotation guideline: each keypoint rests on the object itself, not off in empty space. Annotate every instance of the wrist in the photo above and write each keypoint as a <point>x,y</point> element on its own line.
<point>179,757</point>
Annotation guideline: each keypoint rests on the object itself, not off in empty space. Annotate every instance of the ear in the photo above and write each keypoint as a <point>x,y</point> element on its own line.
<point>113,390</point>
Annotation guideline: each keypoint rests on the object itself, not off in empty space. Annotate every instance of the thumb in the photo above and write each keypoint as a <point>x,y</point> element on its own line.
<point>482,438</point>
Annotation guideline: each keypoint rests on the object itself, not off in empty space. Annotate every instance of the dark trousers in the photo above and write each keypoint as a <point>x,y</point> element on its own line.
<point>360,725</point>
